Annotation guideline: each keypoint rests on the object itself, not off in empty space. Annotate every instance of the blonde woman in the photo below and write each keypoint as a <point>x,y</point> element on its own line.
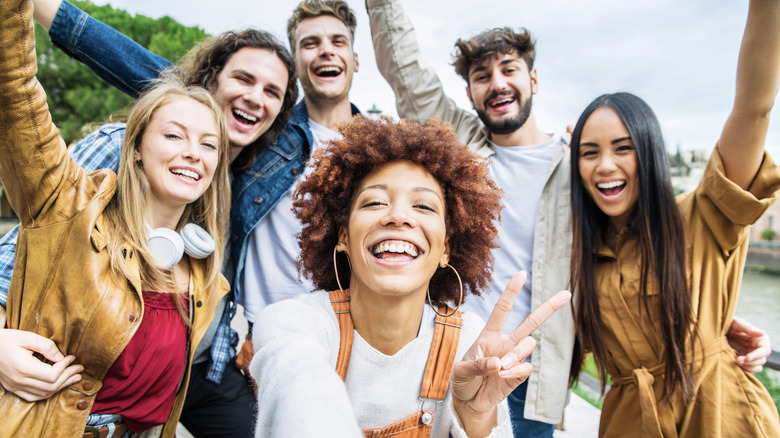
<point>91,275</point>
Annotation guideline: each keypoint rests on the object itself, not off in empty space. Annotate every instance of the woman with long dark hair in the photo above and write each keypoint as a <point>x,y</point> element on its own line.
<point>657,278</point>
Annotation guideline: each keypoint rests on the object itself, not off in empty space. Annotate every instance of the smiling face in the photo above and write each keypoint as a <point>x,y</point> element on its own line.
<point>324,58</point>
<point>396,236</point>
<point>501,91</point>
<point>179,153</point>
<point>251,89</point>
<point>608,165</point>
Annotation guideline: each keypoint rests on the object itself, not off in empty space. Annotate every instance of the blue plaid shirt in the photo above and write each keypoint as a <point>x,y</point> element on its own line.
<point>101,150</point>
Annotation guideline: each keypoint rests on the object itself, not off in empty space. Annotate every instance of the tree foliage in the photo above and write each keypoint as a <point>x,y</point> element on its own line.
<point>77,97</point>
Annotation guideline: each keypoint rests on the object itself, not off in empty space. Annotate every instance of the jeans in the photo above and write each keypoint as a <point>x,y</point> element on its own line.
<point>521,427</point>
<point>103,420</point>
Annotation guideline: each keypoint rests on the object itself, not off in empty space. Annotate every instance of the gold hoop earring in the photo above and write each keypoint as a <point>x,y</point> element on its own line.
<point>460,301</point>
<point>336,269</point>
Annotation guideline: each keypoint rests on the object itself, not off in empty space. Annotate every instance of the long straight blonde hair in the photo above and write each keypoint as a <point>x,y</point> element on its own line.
<point>125,211</point>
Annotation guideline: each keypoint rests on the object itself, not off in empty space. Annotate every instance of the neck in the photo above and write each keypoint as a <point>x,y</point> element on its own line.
<point>327,112</point>
<point>234,151</point>
<point>387,323</point>
<point>527,135</point>
<point>163,216</point>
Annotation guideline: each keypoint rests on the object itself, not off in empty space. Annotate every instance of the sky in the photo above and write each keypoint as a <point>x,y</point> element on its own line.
<point>680,57</point>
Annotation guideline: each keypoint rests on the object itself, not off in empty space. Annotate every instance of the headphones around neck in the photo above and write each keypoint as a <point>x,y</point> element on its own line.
<point>167,246</point>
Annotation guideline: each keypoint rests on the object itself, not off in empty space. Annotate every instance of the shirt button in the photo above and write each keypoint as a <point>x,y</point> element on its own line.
<point>259,200</point>
<point>88,386</point>
<point>199,304</point>
<point>82,405</point>
<point>131,317</point>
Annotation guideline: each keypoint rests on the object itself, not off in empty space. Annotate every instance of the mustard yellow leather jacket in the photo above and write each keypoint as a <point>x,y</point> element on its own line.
<point>63,287</point>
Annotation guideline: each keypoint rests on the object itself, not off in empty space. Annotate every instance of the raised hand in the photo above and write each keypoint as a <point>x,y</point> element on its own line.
<point>493,366</point>
<point>24,375</point>
<point>752,345</point>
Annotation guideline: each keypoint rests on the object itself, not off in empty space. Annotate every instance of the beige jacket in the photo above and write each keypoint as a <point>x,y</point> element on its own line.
<point>63,287</point>
<point>420,96</point>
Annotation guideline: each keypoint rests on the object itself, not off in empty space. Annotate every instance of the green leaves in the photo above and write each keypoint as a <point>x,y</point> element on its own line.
<point>77,97</point>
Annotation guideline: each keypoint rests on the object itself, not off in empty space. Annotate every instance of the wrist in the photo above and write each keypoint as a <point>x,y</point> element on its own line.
<point>475,423</point>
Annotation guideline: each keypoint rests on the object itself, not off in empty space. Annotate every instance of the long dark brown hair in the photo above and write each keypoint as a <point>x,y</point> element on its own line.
<point>658,224</point>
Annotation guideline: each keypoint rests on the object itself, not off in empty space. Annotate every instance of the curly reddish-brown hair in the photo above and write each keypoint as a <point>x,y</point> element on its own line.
<point>473,202</point>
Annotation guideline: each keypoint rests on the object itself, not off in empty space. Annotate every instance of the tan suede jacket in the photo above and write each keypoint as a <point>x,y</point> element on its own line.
<point>63,287</point>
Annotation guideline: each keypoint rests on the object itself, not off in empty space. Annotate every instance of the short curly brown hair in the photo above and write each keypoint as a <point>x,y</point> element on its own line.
<point>473,201</point>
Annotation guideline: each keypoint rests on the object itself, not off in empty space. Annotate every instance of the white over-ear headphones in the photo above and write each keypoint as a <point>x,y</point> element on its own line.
<point>168,246</point>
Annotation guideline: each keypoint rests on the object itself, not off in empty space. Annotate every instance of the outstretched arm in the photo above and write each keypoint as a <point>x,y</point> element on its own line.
<point>118,60</point>
<point>493,367</point>
<point>742,141</point>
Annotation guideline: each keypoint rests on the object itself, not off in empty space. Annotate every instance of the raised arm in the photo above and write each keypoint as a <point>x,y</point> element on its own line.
<point>418,91</point>
<point>742,141</point>
<point>118,60</point>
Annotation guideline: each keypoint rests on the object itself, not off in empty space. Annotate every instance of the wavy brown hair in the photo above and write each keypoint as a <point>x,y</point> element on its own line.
<point>472,200</point>
<point>204,62</point>
<point>489,45</point>
<point>317,8</point>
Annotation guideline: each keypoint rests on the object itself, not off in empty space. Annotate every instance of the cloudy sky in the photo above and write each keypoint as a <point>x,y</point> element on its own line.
<point>679,56</point>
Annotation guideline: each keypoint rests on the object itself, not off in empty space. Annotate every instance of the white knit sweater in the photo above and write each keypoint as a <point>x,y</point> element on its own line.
<point>300,394</point>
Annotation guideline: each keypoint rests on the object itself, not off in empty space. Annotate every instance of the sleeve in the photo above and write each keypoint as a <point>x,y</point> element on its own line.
<point>294,367</point>
<point>418,90</point>
<point>39,178</point>
<point>99,150</point>
<point>728,210</point>
<point>115,58</point>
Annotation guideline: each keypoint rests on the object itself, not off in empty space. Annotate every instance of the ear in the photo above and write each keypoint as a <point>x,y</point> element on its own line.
<point>534,81</point>
<point>357,64</point>
<point>341,246</point>
<point>445,256</point>
<point>137,154</point>
<point>468,93</point>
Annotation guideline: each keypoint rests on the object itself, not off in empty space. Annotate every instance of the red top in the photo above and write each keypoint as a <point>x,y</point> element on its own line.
<point>141,385</point>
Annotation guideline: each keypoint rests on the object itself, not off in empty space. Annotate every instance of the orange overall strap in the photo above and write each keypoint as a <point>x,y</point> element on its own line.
<point>444,345</point>
<point>340,302</point>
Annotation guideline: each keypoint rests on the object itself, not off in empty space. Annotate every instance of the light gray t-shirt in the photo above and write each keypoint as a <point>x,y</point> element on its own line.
<point>521,172</point>
<point>271,274</point>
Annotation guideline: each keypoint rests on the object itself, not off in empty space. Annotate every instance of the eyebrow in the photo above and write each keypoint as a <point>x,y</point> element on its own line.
<point>482,67</point>
<point>418,189</point>
<point>187,130</point>
<point>615,141</point>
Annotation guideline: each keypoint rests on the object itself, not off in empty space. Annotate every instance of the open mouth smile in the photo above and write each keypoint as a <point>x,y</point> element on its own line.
<point>611,188</point>
<point>244,117</point>
<point>395,251</point>
<point>189,174</point>
<point>328,71</point>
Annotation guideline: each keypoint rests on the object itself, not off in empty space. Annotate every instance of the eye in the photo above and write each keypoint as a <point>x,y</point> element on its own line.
<point>210,145</point>
<point>426,207</point>
<point>587,153</point>
<point>172,136</point>
<point>273,93</point>
<point>372,203</point>
<point>624,148</point>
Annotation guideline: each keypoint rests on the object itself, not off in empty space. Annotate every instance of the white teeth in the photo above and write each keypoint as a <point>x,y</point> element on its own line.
<point>187,173</point>
<point>399,248</point>
<point>502,101</point>
<point>249,117</point>
<point>328,70</point>
<point>610,185</point>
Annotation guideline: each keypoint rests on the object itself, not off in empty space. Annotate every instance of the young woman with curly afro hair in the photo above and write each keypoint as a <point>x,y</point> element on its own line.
<point>398,222</point>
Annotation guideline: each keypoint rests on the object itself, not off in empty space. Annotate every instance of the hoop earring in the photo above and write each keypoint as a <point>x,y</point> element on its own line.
<point>336,270</point>
<point>460,283</point>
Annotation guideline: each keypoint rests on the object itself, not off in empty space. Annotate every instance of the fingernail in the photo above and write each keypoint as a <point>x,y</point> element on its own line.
<point>508,361</point>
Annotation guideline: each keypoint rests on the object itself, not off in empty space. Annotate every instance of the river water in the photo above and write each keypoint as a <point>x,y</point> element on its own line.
<point>759,303</point>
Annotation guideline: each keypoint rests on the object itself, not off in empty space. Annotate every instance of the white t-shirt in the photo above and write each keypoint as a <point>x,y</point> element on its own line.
<point>521,172</point>
<point>270,274</point>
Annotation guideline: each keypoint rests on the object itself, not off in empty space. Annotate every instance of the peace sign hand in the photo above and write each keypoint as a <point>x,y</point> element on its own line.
<point>493,366</point>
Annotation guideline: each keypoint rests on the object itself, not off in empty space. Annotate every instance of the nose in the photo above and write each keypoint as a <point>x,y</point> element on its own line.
<point>606,163</point>
<point>326,48</point>
<point>399,216</point>
<point>497,81</point>
<point>193,150</point>
<point>254,96</point>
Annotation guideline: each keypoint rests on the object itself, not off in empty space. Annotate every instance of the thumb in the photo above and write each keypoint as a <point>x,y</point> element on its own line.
<point>38,344</point>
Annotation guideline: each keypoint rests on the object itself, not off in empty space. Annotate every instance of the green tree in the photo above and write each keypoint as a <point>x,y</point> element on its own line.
<point>76,96</point>
<point>768,234</point>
